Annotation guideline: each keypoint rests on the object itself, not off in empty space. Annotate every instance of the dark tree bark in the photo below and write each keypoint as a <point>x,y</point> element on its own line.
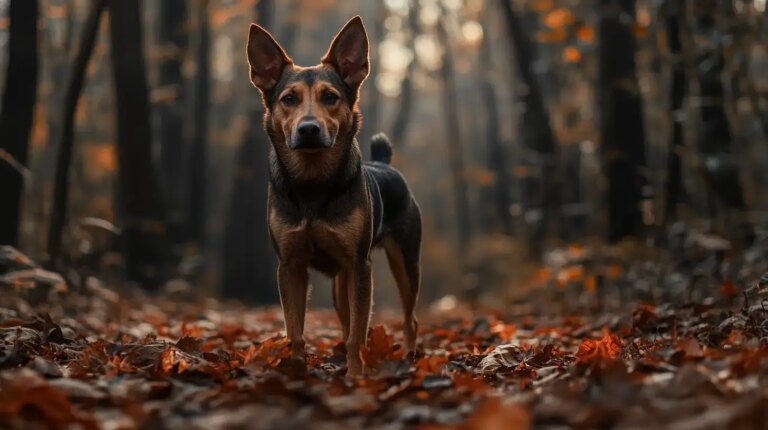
<point>497,160</point>
<point>173,41</point>
<point>540,194</point>
<point>139,197</point>
<point>59,57</point>
<point>17,114</point>
<point>622,133</point>
<point>195,172</point>
<point>250,265</point>
<point>66,138</point>
<point>573,215</point>
<point>715,140</point>
<point>289,30</point>
<point>403,114</point>
<point>674,185</point>
<point>371,114</point>
<point>451,121</point>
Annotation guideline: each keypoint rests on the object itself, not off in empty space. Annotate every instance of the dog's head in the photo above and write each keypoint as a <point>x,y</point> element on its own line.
<point>310,109</point>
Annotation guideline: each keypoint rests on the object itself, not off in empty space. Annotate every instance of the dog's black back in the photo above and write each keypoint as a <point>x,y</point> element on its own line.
<point>387,188</point>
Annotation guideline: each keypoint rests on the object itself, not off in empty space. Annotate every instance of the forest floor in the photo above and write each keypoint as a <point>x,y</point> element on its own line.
<point>569,354</point>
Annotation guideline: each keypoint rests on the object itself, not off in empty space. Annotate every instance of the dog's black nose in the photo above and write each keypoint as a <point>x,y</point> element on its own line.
<point>309,135</point>
<point>309,128</point>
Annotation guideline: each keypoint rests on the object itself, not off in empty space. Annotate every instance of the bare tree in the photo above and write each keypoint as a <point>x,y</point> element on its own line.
<point>404,111</point>
<point>497,160</point>
<point>139,198</point>
<point>720,165</point>
<point>540,193</point>
<point>451,120</point>
<point>249,266</point>
<point>66,138</point>
<point>195,170</point>
<point>371,110</point>
<point>174,41</point>
<point>289,30</point>
<point>622,133</point>
<point>18,107</point>
<point>676,24</point>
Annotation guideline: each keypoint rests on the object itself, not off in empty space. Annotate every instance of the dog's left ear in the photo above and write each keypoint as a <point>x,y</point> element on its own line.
<point>348,53</point>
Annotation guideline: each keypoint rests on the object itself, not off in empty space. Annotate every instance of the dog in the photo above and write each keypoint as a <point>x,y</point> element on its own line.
<point>327,208</point>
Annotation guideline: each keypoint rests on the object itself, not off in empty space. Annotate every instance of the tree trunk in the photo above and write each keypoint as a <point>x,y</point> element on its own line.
<point>173,41</point>
<point>453,140</point>
<point>66,138</point>
<point>140,205</point>
<point>622,134</point>
<point>674,186</point>
<point>715,141</point>
<point>371,112</point>
<point>497,160</point>
<point>540,194</point>
<point>18,108</point>
<point>250,266</point>
<point>289,30</point>
<point>196,167</point>
<point>59,57</point>
<point>403,114</point>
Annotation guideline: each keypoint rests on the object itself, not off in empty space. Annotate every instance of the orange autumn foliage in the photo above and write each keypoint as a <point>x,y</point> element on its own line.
<point>609,347</point>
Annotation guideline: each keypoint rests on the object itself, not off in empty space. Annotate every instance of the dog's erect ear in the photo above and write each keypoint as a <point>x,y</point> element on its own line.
<point>348,53</point>
<point>266,58</point>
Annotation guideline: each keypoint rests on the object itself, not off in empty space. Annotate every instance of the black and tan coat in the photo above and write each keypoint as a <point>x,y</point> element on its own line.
<point>328,208</point>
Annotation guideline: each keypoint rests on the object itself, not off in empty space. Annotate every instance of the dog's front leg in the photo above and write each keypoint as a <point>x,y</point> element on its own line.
<point>293,280</point>
<point>360,291</point>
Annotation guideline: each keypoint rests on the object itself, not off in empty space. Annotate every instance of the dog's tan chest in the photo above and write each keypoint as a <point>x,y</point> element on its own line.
<point>309,240</point>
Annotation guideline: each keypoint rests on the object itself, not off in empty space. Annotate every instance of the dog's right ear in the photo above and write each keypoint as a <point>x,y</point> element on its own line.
<point>266,58</point>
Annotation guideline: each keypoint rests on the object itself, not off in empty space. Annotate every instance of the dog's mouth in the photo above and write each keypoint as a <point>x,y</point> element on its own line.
<point>310,143</point>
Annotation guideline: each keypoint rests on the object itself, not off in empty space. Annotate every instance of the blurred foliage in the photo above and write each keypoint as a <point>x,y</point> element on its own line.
<point>565,32</point>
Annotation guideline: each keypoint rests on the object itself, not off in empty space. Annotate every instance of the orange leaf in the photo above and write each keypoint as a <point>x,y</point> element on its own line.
<point>640,31</point>
<point>571,55</point>
<point>25,392</point>
<point>542,5</point>
<point>609,347</point>
<point>504,331</point>
<point>168,360</point>
<point>556,35</point>
<point>543,275</point>
<point>380,345</point>
<point>472,383</point>
<point>494,414</point>
<point>585,34</point>
<point>248,355</point>
<point>570,274</point>
<point>590,284</point>
<point>558,18</point>
<point>729,290</point>
<point>431,364</point>
<point>614,271</point>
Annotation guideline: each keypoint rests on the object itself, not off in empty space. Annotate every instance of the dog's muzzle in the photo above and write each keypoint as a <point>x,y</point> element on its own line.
<point>309,135</point>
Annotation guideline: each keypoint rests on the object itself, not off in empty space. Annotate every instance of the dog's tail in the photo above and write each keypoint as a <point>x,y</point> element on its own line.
<point>381,148</point>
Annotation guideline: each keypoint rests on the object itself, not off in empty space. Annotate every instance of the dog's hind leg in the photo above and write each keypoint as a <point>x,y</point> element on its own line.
<point>402,249</point>
<point>341,301</point>
<point>293,282</point>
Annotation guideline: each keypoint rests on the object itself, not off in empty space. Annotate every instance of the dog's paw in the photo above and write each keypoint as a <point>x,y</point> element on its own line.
<point>298,352</point>
<point>355,369</point>
<point>298,361</point>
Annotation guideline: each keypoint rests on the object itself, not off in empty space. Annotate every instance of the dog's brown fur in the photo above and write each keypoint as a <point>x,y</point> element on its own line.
<point>327,208</point>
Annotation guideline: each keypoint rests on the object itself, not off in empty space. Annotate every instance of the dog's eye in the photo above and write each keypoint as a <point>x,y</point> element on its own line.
<point>330,98</point>
<point>288,100</point>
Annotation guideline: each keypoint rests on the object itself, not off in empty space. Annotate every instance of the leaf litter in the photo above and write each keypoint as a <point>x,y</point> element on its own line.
<point>94,359</point>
